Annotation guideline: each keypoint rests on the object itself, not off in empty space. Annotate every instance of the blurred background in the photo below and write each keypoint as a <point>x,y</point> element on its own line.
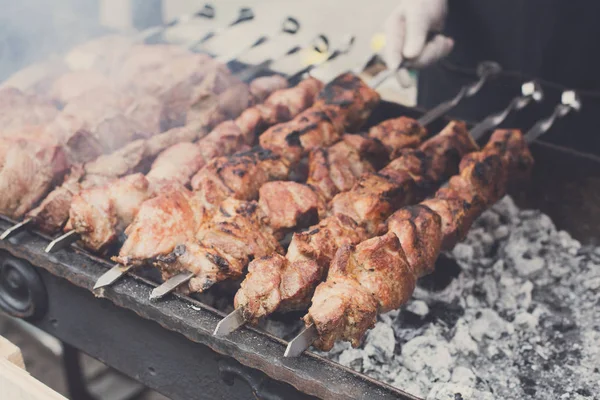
<point>33,30</point>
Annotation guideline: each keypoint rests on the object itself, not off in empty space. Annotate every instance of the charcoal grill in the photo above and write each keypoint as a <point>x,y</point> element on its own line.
<point>169,345</point>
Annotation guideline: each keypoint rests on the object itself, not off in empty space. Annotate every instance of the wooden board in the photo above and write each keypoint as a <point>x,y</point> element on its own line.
<point>15,382</point>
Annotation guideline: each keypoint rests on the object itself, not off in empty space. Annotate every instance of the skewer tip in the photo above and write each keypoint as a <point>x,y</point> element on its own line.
<point>110,276</point>
<point>230,323</point>
<point>62,241</point>
<point>302,341</point>
<point>169,285</point>
<point>13,230</point>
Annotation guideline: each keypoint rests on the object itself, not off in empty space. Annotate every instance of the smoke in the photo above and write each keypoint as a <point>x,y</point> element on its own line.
<point>32,30</point>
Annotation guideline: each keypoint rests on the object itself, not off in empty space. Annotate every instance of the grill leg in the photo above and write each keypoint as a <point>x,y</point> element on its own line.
<point>76,382</point>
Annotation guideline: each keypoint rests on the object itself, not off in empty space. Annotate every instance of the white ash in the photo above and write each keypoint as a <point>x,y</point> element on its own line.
<point>519,318</point>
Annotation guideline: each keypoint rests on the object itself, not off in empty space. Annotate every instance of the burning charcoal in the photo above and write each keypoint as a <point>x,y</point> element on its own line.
<point>426,352</point>
<point>501,232</point>
<point>388,318</point>
<point>526,321</point>
<point>463,376</point>
<point>506,208</point>
<point>490,324</point>
<point>453,391</point>
<point>418,307</point>
<point>416,384</point>
<point>462,340</point>
<point>352,358</point>
<point>380,343</point>
<point>463,252</point>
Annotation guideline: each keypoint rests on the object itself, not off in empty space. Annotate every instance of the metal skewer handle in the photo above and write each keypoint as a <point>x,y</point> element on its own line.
<point>529,91</point>
<point>207,12</point>
<point>245,14</point>
<point>321,42</point>
<point>346,45</point>
<point>569,101</point>
<point>290,26</point>
<point>485,71</point>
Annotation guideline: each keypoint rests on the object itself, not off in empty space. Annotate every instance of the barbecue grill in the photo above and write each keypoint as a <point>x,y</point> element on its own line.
<point>169,345</point>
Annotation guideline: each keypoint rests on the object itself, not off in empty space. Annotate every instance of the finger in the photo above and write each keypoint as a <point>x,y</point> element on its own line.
<point>417,26</point>
<point>438,48</point>
<point>394,40</point>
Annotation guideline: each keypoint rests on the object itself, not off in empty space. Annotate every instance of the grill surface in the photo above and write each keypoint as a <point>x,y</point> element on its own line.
<point>169,346</point>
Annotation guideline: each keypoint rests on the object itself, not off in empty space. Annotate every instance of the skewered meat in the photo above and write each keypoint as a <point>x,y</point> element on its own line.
<point>382,271</point>
<point>73,84</point>
<point>101,54</point>
<point>387,133</point>
<point>223,247</point>
<point>343,104</point>
<point>98,213</point>
<point>311,252</point>
<point>19,110</point>
<point>172,166</point>
<point>402,180</point>
<point>289,205</point>
<point>241,176</point>
<point>167,220</point>
<point>298,201</point>
<point>28,168</point>
<point>51,211</point>
<point>348,100</point>
<point>137,155</point>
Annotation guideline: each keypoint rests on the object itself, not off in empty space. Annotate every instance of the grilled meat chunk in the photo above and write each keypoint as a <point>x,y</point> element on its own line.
<point>19,110</point>
<point>239,176</point>
<point>101,213</point>
<point>28,170</point>
<point>224,246</point>
<point>289,205</point>
<point>311,129</point>
<point>337,168</point>
<point>343,104</point>
<point>351,97</point>
<point>161,224</point>
<point>53,211</point>
<point>398,133</point>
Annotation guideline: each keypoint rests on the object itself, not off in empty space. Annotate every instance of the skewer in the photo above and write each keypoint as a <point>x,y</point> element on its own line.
<point>290,26</point>
<point>302,341</point>
<point>485,70</point>
<point>13,230</point>
<point>531,91</point>
<point>321,43</point>
<point>110,276</point>
<point>62,241</point>
<point>208,12</point>
<point>570,101</point>
<point>245,14</point>
<point>119,270</point>
<point>170,285</point>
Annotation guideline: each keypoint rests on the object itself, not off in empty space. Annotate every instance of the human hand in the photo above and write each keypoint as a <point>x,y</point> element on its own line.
<point>407,30</point>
